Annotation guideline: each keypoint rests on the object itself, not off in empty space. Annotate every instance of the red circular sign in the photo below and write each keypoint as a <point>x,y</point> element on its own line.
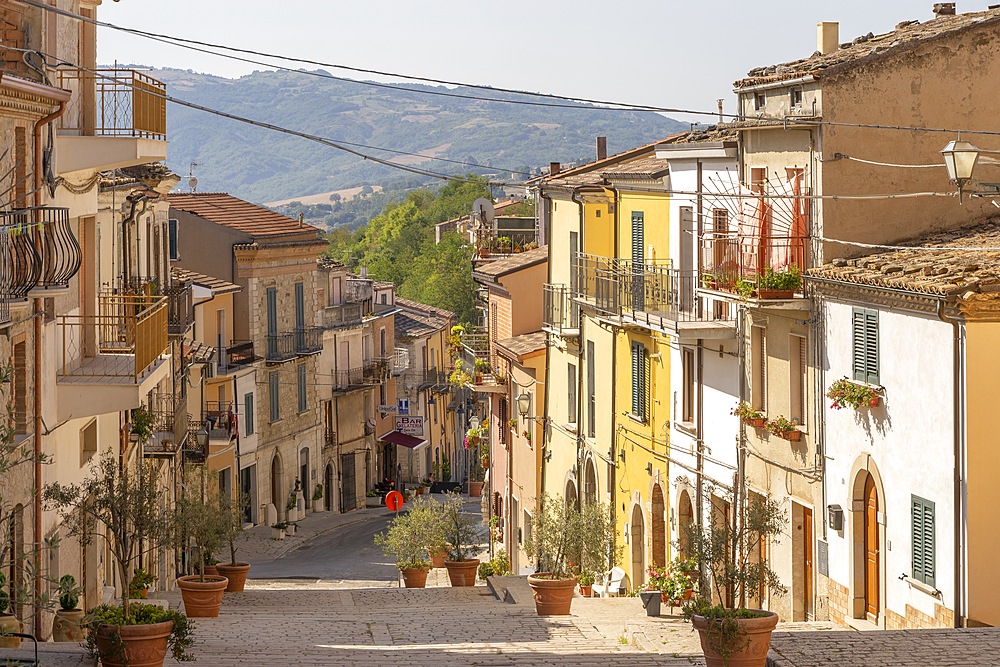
<point>394,500</point>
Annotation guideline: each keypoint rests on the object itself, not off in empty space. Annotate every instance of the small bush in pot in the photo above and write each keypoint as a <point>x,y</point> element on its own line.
<point>465,533</point>
<point>233,530</point>
<point>109,633</point>
<point>407,537</point>
<point>202,520</point>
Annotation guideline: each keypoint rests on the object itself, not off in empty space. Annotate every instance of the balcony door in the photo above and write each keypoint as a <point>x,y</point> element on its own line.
<point>638,261</point>
<point>300,317</point>
<point>272,322</point>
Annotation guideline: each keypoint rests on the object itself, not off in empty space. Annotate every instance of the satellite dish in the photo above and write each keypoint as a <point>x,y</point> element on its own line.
<point>193,183</point>
<point>482,209</point>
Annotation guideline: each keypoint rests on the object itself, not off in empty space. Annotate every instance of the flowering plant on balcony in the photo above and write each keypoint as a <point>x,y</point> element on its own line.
<point>786,278</point>
<point>459,377</point>
<point>782,427</point>
<point>845,393</point>
<point>748,414</point>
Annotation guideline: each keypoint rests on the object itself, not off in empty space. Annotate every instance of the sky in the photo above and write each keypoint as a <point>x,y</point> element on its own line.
<point>668,53</point>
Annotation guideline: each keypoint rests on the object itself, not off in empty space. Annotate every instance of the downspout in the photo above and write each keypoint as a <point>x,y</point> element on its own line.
<point>699,438</point>
<point>958,368</point>
<point>36,135</point>
<point>579,375</point>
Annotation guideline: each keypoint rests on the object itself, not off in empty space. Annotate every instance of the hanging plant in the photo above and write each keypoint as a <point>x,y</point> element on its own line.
<point>845,393</point>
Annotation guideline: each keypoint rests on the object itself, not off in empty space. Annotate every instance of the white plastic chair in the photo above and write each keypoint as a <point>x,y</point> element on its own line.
<point>613,582</point>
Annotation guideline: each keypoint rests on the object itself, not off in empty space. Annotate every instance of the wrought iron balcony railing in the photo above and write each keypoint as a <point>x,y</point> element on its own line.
<point>399,362</point>
<point>39,250</point>
<point>329,437</point>
<point>291,344</point>
<point>180,308</point>
<point>729,257</point>
<point>559,312</point>
<point>231,358</point>
<point>114,102</point>
<point>371,374</point>
<point>219,419</point>
<point>343,315</point>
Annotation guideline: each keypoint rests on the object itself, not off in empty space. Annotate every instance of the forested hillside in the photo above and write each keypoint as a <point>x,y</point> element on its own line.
<point>262,165</point>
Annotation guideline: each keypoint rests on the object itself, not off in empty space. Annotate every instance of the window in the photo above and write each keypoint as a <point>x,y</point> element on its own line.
<point>88,441</point>
<point>758,368</point>
<point>21,388</point>
<point>922,547</point>
<point>571,392</point>
<point>688,387</point>
<point>864,328</point>
<point>640,381</point>
<point>504,429</point>
<point>273,395</point>
<point>248,414</point>
<point>272,322</point>
<point>797,377</point>
<point>172,250</point>
<point>302,387</point>
<point>795,96</point>
<point>759,100</point>
<point>591,390</point>
<point>574,249</point>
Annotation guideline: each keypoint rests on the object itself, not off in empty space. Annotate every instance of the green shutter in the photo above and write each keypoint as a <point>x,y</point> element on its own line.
<point>645,385</point>
<point>273,391</point>
<point>302,387</point>
<point>636,378</point>
<point>922,542</point>
<point>248,414</point>
<point>864,339</point>
<point>871,347</point>
<point>858,344</point>
<point>638,260</point>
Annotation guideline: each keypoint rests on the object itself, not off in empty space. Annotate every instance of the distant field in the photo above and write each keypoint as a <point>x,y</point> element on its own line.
<point>324,197</point>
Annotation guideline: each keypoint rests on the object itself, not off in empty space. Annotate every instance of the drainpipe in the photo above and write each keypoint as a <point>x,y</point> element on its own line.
<point>700,437</point>
<point>36,136</point>
<point>958,367</point>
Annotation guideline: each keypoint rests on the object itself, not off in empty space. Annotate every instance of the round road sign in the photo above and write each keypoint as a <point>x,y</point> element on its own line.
<point>394,500</point>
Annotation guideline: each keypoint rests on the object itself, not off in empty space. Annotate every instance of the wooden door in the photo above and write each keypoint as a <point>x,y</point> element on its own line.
<point>807,561</point>
<point>871,551</point>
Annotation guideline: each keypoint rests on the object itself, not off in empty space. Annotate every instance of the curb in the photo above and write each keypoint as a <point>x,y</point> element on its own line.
<point>358,518</point>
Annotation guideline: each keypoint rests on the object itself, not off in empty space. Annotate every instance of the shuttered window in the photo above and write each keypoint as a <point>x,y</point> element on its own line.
<point>797,377</point>
<point>591,390</point>
<point>922,548</point>
<point>640,381</point>
<point>688,386</point>
<point>172,251</point>
<point>273,395</point>
<point>301,369</point>
<point>571,391</point>
<point>248,414</point>
<point>758,368</point>
<point>638,259</point>
<point>864,328</point>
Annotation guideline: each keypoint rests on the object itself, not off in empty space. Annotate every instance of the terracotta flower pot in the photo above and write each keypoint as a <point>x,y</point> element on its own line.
<point>437,559</point>
<point>756,423</point>
<point>236,574</point>
<point>553,597</point>
<point>587,591</point>
<point>211,570</point>
<point>415,577</point>
<point>9,623</point>
<point>775,293</point>
<point>753,646</point>
<point>462,572</point>
<point>792,436</point>
<point>202,599</point>
<point>145,645</point>
<point>475,489</point>
<point>67,626</point>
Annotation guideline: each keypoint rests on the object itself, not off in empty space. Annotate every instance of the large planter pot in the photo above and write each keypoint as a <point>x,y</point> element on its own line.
<point>236,574</point>
<point>415,577</point>
<point>210,571</point>
<point>202,599</point>
<point>775,293</point>
<point>67,626</point>
<point>753,646</point>
<point>475,489</point>
<point>144,645</point>
<point>437,559</point>
<point>9,623</point>
<point>462,572</point>
<point>373,502</point>
<point>553,597</point>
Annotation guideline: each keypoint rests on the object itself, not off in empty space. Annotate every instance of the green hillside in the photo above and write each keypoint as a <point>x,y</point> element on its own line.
<point>261,165</point>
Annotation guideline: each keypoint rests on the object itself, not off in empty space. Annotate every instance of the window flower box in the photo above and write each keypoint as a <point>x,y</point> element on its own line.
<point>784,428</point>
<point>845,393</point>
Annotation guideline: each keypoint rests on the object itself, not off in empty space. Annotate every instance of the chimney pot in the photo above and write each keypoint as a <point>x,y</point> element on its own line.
<point>944,8</point>
<point>827,36</point>
<point>553,168</point>
<point>602,148</point>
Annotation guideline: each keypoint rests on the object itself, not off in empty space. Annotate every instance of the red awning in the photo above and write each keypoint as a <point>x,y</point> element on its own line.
<point>397,438</point>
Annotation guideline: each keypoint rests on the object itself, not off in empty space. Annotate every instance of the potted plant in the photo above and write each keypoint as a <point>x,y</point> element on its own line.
<point>142,423</point>
<point>749,415</point>
<point>586,581</point>
<point>233,530</point>
<point>504,244</point>
<point>373,498</point>
<point>463,532</point>
<point>482,366</point>
<point>125,501</point>
<point>556,540</point>
<point>459,377</point>
<point>728,556</point>
<point>202,524</point>
<point>780,284</point>
<point>845,393</point>
<point>498,566</point>
<point>784,428</point>
<point>278,530</point>
<point>140,583</point>
<point>8,622</point>
<point>68,623</point>
<point>318,499</point>
<point>407,537</point>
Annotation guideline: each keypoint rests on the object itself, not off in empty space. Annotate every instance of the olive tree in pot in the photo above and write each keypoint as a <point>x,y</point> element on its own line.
<point>733,576</point>
<point>407,537</point>
<point>123,499</point>
<point>557,539</point>
<point>202,520</point>
<point>465,534</point>
<point>233,512</point>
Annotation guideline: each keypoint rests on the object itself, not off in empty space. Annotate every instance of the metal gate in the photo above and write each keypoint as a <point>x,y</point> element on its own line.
<point>348,489</point>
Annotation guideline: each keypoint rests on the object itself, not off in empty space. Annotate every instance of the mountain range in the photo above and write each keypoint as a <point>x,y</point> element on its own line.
<point>262,165</point>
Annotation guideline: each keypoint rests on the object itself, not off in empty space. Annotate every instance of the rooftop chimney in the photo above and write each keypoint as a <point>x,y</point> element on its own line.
<point>827,36</point>
<point>553,168</point>
<point>944,9</point>
<point>602,148</point>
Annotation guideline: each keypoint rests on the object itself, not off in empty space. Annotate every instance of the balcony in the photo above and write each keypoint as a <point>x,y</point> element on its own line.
<point>171,426</point>
<point>560,314</point>
<point>194,451</point>
<point>509,236</point>
<point>343,315</point>
<point>292,344</point>
<point>239,354</point>
<point>39,253</point>
<point>180,308</point>
<point>116,118</point>
<point>371,374</point>
<point>329,437</point>
<point>476,343</point>
<point>219,420</point>
<point>122,349</point>
<point>733,263</point>
<point>399,362</point>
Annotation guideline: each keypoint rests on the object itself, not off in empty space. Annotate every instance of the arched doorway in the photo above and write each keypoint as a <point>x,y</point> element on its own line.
<point>685,522</point>
<point>328,488</point>
<point>658,528</point>
<point>572,499</point>
<point>590,483</point>
<point>638,539</point>
<point>277,490</point>
<point>869,520</point>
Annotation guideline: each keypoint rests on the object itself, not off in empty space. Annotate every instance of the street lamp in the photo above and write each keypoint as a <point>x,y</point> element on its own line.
<point>474,422</point>
<point>960,159</point>
<point>523,403</point>
<point>201,435</point>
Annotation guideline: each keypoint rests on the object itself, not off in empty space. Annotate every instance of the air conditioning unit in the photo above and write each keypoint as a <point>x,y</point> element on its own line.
<point>211,369</point>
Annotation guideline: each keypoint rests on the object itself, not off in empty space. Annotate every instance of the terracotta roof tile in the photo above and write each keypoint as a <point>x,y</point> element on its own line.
<point>512,263</point>
<point>644,168</point>
<point>519,346</point>
<point>422,308</point>
<point>224,209</point>
<point>907,35</point>
<point>936,264</point>
<point>217,285</point>
<point>411,325</point>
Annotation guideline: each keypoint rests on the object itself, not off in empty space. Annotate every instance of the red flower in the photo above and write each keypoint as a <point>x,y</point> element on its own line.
<point>874,401</point>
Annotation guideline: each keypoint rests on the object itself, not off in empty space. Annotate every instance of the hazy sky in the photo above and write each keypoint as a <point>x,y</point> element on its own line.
<point>671,53</point>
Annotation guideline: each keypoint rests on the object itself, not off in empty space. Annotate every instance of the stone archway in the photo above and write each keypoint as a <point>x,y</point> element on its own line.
<point>658,529</point>
<point>685,521</point>
<point>637,539</point>
<point>867,534</point>
<point>277,486</point>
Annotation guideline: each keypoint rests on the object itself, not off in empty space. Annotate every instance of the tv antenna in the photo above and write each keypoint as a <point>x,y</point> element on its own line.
<point>192,180</point>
